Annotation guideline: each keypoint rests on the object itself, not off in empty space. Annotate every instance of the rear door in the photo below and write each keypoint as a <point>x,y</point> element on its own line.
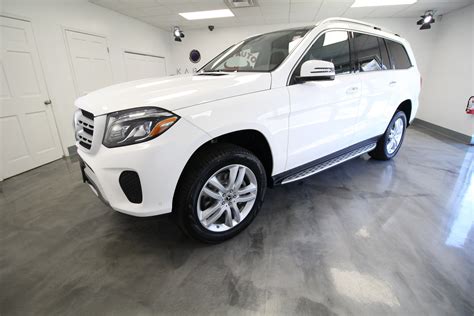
<point>405,78</point>
<point>372,66</point>
<point>324,113</point>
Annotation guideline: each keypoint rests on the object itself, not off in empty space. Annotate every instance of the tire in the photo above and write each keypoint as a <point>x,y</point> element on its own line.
<point>384,149</point>
<point>195,207</point>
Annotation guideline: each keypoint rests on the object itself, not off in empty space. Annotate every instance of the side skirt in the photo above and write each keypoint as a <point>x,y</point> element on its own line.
<point>326,162</point>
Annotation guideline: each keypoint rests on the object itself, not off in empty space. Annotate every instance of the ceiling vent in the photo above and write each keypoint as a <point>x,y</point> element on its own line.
<point>235,4</point>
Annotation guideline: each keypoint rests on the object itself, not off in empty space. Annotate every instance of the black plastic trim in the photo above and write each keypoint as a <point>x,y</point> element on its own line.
<point>277,179</point>
<point>89,115</point>
<point>131,186</point>
<point>87,180</point>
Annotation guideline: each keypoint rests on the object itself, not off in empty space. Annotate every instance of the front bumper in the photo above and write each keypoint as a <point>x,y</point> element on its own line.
<point>158,163</point>
<point>88,177</point>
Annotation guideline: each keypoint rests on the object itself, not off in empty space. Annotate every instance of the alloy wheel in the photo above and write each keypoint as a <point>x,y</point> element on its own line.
<point>395,136</point>
<point>227,198</point>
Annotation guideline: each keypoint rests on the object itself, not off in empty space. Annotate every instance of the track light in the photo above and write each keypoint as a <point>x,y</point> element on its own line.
<point>426,20</point>
<point>178,34</point>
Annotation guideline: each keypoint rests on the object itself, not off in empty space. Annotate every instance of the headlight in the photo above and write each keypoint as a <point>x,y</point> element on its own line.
<point>137,125</point>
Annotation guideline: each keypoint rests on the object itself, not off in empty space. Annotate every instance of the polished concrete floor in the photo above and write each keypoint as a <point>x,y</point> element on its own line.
<point>365,238</point>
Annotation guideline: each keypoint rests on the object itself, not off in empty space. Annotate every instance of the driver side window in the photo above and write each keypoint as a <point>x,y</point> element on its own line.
<point>331,46</point>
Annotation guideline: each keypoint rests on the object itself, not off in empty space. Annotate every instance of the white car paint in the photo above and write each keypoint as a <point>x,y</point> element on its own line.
<point>301,122</point>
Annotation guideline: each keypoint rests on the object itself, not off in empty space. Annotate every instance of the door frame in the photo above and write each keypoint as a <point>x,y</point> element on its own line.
<point>42,74</point>
<point>64,30</point>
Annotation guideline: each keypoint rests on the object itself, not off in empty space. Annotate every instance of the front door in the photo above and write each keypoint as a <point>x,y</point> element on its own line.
<point>324,113</point>
<point>28,134</point>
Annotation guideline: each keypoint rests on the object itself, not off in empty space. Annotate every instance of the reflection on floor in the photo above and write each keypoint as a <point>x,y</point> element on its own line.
<point>366,237</point>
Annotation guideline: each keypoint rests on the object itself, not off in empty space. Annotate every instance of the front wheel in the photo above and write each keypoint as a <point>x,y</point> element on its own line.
<point>220,193</point>
<point>389,144</point>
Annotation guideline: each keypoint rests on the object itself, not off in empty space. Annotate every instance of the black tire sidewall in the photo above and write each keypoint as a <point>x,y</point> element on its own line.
<point>397,115</point>
<point>191,220</point>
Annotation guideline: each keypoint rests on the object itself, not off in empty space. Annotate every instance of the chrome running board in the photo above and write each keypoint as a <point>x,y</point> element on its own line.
<point>329,163</point>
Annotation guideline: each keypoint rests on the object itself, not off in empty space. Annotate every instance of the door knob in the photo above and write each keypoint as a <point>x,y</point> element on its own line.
<point>47,102</point>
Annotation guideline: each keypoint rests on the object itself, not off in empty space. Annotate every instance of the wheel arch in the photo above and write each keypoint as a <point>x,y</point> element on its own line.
<point>406,107</point>
<point>250,139</point>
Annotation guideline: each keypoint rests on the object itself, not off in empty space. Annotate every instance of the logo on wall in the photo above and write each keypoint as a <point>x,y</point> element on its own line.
<point>194,56</point>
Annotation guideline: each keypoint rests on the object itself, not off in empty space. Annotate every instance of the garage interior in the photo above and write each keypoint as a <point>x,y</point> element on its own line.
<point>363,238</point>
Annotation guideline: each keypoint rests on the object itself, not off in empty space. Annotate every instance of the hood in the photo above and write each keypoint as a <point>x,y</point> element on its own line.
<point>173,93</point>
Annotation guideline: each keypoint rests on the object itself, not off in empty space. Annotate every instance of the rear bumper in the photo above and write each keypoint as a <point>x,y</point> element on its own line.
<point>158,164</point>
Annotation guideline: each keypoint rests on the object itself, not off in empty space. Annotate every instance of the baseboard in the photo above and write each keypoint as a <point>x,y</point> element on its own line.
<point>463,138</point>
<point>72,150</point>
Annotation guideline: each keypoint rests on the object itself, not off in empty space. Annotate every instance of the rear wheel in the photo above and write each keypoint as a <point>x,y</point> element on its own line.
<point>389,144</point>
<point>220,193</point>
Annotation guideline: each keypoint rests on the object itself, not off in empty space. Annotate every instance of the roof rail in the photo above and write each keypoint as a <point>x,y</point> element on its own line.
<point>373,26</point>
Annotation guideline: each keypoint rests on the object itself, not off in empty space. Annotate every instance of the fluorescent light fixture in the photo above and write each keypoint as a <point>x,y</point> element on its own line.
<point>212,14</point>
<point>380,3</point>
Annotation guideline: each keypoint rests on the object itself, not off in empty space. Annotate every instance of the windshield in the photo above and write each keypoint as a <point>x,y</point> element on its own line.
<point>261,53</point>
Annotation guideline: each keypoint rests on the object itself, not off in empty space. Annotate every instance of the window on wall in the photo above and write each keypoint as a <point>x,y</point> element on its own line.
<point>368,53</point>
<point>398,54</point>
<point>332,46</point>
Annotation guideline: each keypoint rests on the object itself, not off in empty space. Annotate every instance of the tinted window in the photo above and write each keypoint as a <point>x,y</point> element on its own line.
<point>332,46</point>
<point>400,59</point>
<point>367,52</point>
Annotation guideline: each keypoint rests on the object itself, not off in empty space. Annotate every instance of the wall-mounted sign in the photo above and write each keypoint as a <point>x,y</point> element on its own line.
<point>185,71</point>
<point>194,56</point>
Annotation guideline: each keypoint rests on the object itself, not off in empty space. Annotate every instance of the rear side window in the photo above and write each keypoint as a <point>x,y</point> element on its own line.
<point>332,46</point>
<point>398,54</point>
<point>368,54</point>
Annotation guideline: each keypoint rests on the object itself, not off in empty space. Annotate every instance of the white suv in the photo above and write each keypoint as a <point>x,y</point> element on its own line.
<point>272,109</point>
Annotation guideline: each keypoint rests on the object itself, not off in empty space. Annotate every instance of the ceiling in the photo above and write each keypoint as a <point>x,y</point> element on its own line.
<point>164,13</point>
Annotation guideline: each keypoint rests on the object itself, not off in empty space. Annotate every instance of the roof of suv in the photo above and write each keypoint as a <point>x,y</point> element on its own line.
<point>363,26</point>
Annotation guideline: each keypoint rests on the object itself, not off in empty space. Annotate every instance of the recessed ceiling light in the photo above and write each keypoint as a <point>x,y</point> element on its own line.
<point>380,3</point>
<point>213,14</point>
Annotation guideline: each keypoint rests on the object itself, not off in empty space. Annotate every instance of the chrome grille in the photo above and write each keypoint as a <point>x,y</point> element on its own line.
<point>85,129</point>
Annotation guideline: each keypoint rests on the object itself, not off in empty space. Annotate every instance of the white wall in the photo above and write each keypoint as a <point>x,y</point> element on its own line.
<point>450,80</point>
<point>444,39</point>
<point>49,17</point>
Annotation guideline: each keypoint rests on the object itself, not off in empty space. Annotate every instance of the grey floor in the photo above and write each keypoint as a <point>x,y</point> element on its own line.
<point>365,238</point>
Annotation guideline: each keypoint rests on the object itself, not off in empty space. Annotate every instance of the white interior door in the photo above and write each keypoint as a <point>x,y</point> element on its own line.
<point>90,61</point>
<point>140,66</point>
<point>28,133</point>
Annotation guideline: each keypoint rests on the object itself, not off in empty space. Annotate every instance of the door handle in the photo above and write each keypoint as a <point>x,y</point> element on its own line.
<point>392,83</point>
<point>47,102</point>
<point>352,90</point>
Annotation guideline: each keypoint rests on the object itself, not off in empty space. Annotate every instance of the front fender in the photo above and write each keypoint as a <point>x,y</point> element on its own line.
<point>265,111</point>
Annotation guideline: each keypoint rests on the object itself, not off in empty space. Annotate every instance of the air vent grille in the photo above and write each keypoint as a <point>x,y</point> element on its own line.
<point>236,4</point>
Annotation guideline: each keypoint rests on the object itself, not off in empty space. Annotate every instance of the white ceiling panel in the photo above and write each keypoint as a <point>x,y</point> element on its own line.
<point>164,13</point>
<point>332,8</point>
<point>358,13</point>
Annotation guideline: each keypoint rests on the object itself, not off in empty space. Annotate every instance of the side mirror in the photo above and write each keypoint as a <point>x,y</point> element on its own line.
<point>312,70</point>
